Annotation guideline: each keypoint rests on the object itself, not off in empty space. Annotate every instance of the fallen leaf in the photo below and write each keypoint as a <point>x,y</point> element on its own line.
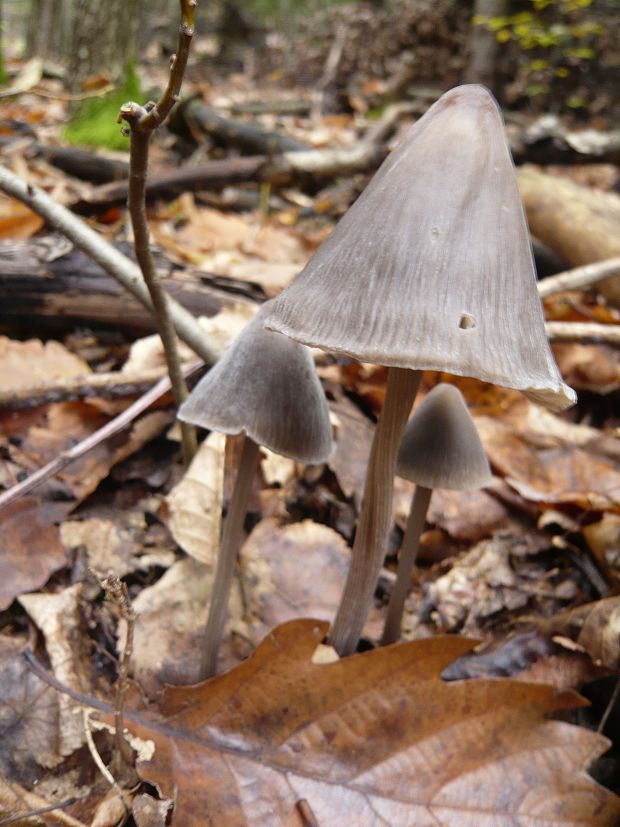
<point>58,616</point>
<point>150,812</point>
<point>17,220</point>
<point>480,583</point>
<point>594,627</point>
<point>171,618</point>
<point>291,571</point>
<point>379,735</point>
<point>109,550</point>
<point>195,504</point>
<point>348,461</point>
<point>28,717</point>
<point>26,363</point>
<point>30,548</point>
<point>589,367</point>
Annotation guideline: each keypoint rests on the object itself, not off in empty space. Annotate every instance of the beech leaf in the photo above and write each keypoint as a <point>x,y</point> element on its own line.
<point>374,739</point>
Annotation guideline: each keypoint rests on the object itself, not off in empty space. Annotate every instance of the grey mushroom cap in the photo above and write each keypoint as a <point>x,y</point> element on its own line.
<point>265,385</point>
<point>431,268</point>
<point>441,447</point>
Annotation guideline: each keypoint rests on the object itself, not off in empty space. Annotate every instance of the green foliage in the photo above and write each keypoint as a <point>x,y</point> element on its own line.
<point>559,35</point>
<point>95,122</point>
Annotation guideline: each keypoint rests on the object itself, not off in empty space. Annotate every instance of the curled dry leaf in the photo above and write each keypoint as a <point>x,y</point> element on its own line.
<point>195,504</point>
<point>594,627</point>
<point>30,550</point>
<point>481,583</point>
<point>379,735</point>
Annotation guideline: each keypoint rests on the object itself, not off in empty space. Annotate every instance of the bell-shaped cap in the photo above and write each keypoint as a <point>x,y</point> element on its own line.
<point>431,268</point>
<point>441,447</point>
<point>266,385</point>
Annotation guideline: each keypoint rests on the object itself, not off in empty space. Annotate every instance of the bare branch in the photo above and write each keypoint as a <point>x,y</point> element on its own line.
<point>580,277</point>
<point>583,332</point>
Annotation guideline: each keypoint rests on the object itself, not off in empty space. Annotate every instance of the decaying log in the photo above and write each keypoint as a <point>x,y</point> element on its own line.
<point>49,279</point>
<point>580,224</point>
<point>248,137</point>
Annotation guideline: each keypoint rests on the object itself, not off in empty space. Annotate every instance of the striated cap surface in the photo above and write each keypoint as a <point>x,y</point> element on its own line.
<point>431,268</point>
<point>266,385</point>
<point>441,447</point>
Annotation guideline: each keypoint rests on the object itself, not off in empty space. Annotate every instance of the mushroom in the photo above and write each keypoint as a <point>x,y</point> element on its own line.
<point>266,386</point>
<point>431,268</point>
<point>439,449</point>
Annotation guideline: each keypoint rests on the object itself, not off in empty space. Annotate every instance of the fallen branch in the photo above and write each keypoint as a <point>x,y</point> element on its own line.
<point>108,257</point>
<point>583,332</point>
<point>113,385</point>
<point>579,277</point>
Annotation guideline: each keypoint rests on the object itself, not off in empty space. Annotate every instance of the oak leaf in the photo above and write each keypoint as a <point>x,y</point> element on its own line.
<point>374,739</point>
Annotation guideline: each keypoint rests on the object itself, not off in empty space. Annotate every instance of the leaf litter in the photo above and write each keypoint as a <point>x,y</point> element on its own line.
<point>529,566</point>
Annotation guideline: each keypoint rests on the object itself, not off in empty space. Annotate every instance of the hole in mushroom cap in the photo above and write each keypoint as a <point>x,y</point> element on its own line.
<point>466,322</point>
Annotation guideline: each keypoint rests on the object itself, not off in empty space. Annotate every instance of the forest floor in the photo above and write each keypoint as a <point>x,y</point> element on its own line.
<point>513,607</point>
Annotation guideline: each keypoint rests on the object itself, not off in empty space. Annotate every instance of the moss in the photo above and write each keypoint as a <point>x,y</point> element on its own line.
<point>94,123</point>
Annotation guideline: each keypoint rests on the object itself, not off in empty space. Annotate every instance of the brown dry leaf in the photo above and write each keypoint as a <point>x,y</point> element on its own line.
<point>195,504</point>
<point>28,717</point>
<point>58,616</point>
<point>171,620</point>
<point>16,801</point>
<point>481,583</point>
<point>603,538</point>
<point>30,549</point>
<point>150,812</point>
<point>349,459</point>
<point>66,424</point>
<point>589,367</point>
<point>25,363</point>
<point>378,735</point>
<point>109,549</point>
<point>560,474</point>
<point>17,220</point>
<point>293,571</point>
<point>594,627</point>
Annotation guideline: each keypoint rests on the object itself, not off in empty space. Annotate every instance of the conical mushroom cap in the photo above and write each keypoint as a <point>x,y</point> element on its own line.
<point>441,447</point>
<point>266,385</point>
<point>432,268</point>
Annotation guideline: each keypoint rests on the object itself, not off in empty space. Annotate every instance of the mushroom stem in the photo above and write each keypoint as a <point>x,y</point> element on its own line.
<point>376,513</point>
<point>227,557</point>
<point>408,554</point>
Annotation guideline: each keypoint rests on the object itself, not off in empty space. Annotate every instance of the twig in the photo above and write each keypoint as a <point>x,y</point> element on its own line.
<point>116,591</point>
<point>583,332</point>
<point>579,277</point>
<point>329,71</point>
<point>608,709</point>
<point>66,457</point>
<point>98,761</point>
<point>142,121</point>
<point>50,679</point>
<point>40,807</point>
<point>107,256</point>
<point>113,385</point>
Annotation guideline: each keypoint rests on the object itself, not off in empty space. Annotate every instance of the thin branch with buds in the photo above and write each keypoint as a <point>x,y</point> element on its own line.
<point>142,122</point>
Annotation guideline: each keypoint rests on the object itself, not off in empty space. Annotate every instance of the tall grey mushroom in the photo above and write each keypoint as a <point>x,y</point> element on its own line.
<point>431,268</point>
<point>439,449</point>
<point>265,386</point>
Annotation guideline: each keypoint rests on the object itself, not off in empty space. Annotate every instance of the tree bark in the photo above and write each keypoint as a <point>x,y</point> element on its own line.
<point>482,45</point>
<point>103,40</point>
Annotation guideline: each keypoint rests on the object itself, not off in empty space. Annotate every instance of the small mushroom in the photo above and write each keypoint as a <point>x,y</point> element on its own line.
<point>266,386</point>
<point>431,268</point>
<point>439,449</point>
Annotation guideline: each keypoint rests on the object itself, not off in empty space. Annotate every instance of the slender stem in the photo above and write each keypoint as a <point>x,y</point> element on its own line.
<point>227,557</point>
<point>138,164</point>
<point>408,554</point>
<point>376,514</point>
<point>143,120</point>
